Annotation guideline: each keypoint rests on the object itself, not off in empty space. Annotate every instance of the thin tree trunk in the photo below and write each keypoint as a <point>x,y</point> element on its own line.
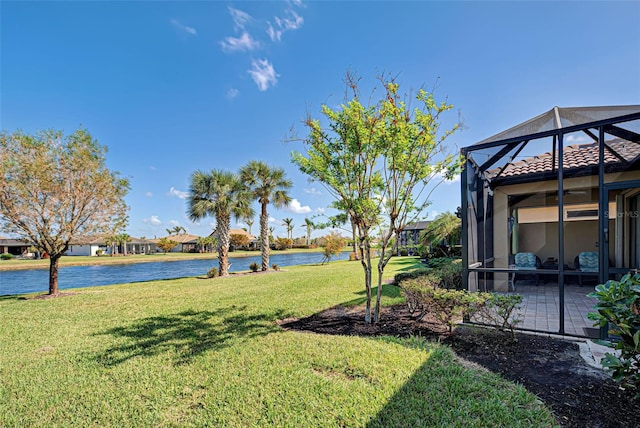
<point>365,260</point>
<point>53,274</point>
<point>264,237</point>
<point>355,239</point>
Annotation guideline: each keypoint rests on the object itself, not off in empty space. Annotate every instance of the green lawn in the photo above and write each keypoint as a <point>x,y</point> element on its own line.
<point>199,352</point>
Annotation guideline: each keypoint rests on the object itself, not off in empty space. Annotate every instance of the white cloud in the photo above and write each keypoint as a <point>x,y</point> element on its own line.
<point>295,207</point>
<point>180,194</point>
<point>263,74</point>
<point>243,43</point>
<point>321,210</point>
<point>148,194</point>
<point>183,28</point>
<point>240,18</point>
<point>174,223</point>
<point>312,191</point>
<point>154,220</point>
<point>152,168</point>
<point>292,21</point>
<point>232,93</point>
<point>273,220</point>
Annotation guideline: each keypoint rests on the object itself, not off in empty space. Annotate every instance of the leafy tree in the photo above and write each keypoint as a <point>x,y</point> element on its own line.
<point>238,240</point>
<point>283,243</point>
<point>443,233</point>
<point>220,194</point>
<point>288,222</point>
<point>55,190</point>
<point>166,244</point>
<point>378,160</point>
<point>333,245</point>
<point>268,186</point>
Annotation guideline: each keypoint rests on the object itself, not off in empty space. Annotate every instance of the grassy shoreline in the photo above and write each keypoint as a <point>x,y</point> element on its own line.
<point>20,264</point>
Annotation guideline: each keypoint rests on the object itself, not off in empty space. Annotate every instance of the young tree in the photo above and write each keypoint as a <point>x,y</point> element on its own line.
<point>288,222</point>
<point>268,186</point>
<point>166,244</point>
<point>222,195</point>
<point>377,160</point>
<point>333,245</point>
<point>238,240</point>
<point>249,222</point>
<point>55,190</point>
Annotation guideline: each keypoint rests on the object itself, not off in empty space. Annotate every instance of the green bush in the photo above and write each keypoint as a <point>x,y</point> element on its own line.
<point>449,307</point>
<point>618,308</point>
<point>254,267</point>
<point>450,275</point>
<point>404,252</point>
<point>500,310</point>
<point>403,276</point>
<point>438,262</point>
<point>212,273</point>
<point>99,253</point>
<point>6,256</point>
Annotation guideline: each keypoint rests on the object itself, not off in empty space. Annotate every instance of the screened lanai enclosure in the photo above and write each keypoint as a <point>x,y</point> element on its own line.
<point>550,208</point>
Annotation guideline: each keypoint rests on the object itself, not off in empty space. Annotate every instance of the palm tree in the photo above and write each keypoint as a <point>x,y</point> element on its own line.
<point>221,194</point>
<point>289,223</point>
<point>310,226</point>
<point>268,186</point>
<point>443,232</point>
<point>249,222</point>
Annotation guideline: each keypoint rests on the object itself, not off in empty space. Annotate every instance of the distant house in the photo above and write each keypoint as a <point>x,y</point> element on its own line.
<point>187,243</point>
<point>13,246</point>
<point>91,248</point>
<point>410,235</point>
<point>253,241</point>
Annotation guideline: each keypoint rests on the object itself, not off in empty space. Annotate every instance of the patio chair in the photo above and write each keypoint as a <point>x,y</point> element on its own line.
<point>528,261</point>
<point>587,261</point>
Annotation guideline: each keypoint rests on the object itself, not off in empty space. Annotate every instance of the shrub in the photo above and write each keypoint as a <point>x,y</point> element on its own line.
<point>275,267</point>
<point>450,276</point>
<point>213,272</point>
<point>404,252</point>
<point>99,253</point>
<point>500,311</point>
<point>6,256</point>
<point>618,308</point>
<point>353,257</point>
<point>447,306</point>
<point>403,276</point>
<point>254,267</point>
<point>283,243</point>
<point>438,262</point>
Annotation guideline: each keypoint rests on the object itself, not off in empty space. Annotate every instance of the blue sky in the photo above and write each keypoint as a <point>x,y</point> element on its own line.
<point>171,87</point>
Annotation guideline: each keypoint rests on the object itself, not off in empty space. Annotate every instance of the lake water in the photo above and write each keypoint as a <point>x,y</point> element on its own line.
<point>37,280</point>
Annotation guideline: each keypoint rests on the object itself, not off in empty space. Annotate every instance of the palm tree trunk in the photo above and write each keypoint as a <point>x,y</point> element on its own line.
<point>224,226</point>
<point>264,237</point>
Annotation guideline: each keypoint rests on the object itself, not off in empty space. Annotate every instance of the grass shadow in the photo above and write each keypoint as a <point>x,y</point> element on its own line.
<point>388,290</point>
<point>408,263</point>
<point>186,334</point>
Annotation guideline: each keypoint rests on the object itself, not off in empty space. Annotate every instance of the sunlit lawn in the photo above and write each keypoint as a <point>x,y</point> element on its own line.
<point>198,352</point>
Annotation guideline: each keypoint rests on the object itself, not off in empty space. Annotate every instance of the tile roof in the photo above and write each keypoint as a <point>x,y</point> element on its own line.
<point>575,158</point>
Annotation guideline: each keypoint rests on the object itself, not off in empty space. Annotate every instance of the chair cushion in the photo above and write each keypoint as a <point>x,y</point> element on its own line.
<point>588,261</point>
<point>525,261</point>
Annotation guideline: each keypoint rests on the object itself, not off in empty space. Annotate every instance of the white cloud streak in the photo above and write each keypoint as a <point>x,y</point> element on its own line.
<point>232,93</point>
<point>239,44</point>
<point>183,28</point>
<point>180,194</point>
<point>240,18</point>
<point>291,21</point>
<point>296,208</point>
<point>153,220</point>
<point>263,74</point>
<point>148,194</point>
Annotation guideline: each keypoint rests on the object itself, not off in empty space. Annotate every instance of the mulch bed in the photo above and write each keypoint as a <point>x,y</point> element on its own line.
<point>578,394</point>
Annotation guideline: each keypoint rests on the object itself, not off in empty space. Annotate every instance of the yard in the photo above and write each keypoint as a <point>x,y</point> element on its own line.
<point>200,352</point>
